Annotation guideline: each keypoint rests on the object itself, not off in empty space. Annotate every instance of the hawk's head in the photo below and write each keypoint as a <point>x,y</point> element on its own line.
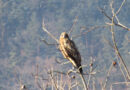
<point>64,35</point>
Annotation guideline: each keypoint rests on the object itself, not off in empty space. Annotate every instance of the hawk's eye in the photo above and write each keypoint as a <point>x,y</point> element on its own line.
<point>63,35</point>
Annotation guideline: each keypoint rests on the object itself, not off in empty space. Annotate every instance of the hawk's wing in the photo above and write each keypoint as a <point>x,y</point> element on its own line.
<point>73,52</point>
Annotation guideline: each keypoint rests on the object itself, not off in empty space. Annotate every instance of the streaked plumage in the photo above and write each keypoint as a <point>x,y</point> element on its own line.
<point>69,50</point>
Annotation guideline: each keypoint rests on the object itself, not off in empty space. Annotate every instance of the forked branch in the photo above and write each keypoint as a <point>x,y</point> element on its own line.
<point>114,42</point>
<point>118,23</point>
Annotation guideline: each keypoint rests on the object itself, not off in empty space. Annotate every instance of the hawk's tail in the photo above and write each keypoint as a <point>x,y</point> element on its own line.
<point>81,70</point>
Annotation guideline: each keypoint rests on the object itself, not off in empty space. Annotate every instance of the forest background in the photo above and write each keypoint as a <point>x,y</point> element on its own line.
<point>22,51</point>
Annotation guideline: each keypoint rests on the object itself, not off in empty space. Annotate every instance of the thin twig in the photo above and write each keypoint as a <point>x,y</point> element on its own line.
<point>117,83</point>
<point>89,77</point>
<point>91,70</point>
<point>89,30</point>
<point>74,85</point>
<point>94,86</point>
<point>120,7</point>
<point>75,21</point>
<point>63,73</point>
<point>43,27</point>
<point>117,59</point>
<point>62,63</point>
<point>108,74</point>
<point>53,81</point>
<point>121,69</point>
<point>47,42</point>
<point>83,81</point>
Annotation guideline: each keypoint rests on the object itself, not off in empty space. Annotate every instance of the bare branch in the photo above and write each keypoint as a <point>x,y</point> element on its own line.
<point>53,80</point>
<point>83,81</point>
<point>118,83</point>
<point>115,45</point>
<point>74,85</point>
<point>120,7</point>
<point>117,24</point>
<point>108,74</point>
<point>90,71</point>
<point>47,42</point>
<point>43,27</point>
<point>94,84</point>
<point>117,59</point>
<point>62,63</point>
<point>89,30</point>
<point>75,21</point>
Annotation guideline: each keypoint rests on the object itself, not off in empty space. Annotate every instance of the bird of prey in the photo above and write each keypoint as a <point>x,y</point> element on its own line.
<point>69,51</point>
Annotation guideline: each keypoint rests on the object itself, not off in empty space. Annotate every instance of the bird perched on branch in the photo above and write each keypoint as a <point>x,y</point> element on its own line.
<point>69,51</point>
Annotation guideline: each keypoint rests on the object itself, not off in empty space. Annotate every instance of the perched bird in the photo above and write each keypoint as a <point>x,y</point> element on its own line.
<point>69,51</point>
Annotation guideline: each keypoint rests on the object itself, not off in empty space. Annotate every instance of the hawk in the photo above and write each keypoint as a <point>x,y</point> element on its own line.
<point>69,50</point>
